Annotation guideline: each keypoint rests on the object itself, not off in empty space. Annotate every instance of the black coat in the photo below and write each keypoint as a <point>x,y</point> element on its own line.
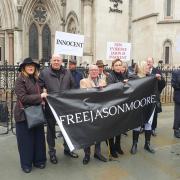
<point>50,81</point>
<point>27,94</point>
<point>175,82</point>
<point>161,83</point>
<point>114,78</point>
<point>53,83</point>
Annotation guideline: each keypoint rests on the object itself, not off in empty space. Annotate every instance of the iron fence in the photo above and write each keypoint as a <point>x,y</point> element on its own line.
<point>8,75</point>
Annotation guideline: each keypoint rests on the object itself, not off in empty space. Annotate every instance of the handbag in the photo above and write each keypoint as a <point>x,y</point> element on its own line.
<point>34,116</point>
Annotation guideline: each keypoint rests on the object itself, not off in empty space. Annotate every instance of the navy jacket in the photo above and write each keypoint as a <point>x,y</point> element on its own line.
<point>77,77</point>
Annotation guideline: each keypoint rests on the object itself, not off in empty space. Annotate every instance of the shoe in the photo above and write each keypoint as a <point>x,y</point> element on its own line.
<point>177,133</point>
<point>114,155</point>
<point>141,130</point>
<point>53,158</point>
<point>148,148</point>
<point>134,148</point>
<point>40,166</point>
<point>100,157</point>
<point>154,133</point>
<point>86,159</point>
<point>71,154</point>
<point>119,150</point>
<point>26,169</point>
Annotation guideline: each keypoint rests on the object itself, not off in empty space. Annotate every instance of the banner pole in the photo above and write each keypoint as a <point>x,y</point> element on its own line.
<point>68,61</point>
<point>65,135</point>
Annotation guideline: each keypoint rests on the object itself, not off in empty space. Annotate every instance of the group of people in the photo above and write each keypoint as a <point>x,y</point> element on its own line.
<point>33,87</point>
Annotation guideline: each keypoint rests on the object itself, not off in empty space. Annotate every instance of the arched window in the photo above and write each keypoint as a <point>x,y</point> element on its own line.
<point>33,42</point>
<point>71,28</point>
<point>168,8</point>
<point>46,43</point>
<point>167,51</point>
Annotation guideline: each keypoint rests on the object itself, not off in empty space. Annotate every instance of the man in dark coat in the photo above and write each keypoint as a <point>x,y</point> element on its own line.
<point>175,82</point>
<point>54,79</point>
<point>75,73</point>
<point>161,84</point>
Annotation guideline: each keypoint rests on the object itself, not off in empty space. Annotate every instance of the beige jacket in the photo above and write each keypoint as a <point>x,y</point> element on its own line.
<point>89,83</point>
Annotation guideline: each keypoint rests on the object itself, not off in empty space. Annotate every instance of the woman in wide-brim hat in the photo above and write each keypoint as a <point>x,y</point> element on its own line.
<point>28,61</point>
<point>31,142</point>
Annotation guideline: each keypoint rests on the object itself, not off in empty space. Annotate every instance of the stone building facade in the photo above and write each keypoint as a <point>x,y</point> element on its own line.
<point>27,28</point>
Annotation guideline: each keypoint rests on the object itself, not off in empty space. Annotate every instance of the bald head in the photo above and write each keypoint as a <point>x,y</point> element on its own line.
<point>56,61</point>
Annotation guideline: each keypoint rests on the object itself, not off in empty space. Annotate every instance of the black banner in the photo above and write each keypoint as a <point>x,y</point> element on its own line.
<point>86,116</point>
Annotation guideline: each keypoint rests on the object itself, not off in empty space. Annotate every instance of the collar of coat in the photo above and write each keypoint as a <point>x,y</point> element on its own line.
<point>61,70</point>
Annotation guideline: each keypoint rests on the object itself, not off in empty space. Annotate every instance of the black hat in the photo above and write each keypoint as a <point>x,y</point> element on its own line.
<point>28,61</point>
<point>73,61</point>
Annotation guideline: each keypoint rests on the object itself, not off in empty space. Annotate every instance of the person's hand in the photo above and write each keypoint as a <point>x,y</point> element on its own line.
<point>158,76</point>
<point>44,95</point>
<point>101,84</point>
<point>125,80</point>
<point>44,90</point>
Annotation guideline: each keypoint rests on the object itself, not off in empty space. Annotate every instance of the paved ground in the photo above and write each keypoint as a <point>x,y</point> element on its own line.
<point>163,165</point>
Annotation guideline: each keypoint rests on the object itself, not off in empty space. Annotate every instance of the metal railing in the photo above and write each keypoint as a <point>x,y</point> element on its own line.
<point>9,73</point>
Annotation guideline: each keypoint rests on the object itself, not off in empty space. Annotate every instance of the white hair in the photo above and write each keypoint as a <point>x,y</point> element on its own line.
<point>93,66</point>
<point>57,56</point>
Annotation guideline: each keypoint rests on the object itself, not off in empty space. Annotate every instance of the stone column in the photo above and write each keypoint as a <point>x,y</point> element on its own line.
<point>63,24</point>
<point>87,8</point>
<point>2,45</point>
<point>11,47</point>
<point>18,47</point>
<point>40,47</point>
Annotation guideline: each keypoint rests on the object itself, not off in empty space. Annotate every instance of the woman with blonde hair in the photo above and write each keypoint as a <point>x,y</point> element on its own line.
<point>143,71</point>
<point>31,142</point>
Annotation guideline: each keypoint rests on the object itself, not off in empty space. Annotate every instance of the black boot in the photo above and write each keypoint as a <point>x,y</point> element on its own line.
<point>135,141</point>
<point>177,133</point>
<point>147,146</point>
<point>52,155</point>
<point>118,145</point>
<point>86,159</point>
<point>112,148</point>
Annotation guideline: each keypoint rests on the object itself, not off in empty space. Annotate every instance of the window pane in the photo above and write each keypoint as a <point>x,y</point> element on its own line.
<point>33,42</point>
<point>168,13</point>
<point>166,55</point>
<point>46,43</point>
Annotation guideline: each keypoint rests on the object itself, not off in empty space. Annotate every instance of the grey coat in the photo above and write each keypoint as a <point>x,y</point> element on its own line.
<point>50,81</point>
<point>54,84</point>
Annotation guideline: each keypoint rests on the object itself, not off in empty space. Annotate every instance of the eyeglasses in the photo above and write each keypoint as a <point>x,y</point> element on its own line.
<point>118,65</point>
<point>93,70</point>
